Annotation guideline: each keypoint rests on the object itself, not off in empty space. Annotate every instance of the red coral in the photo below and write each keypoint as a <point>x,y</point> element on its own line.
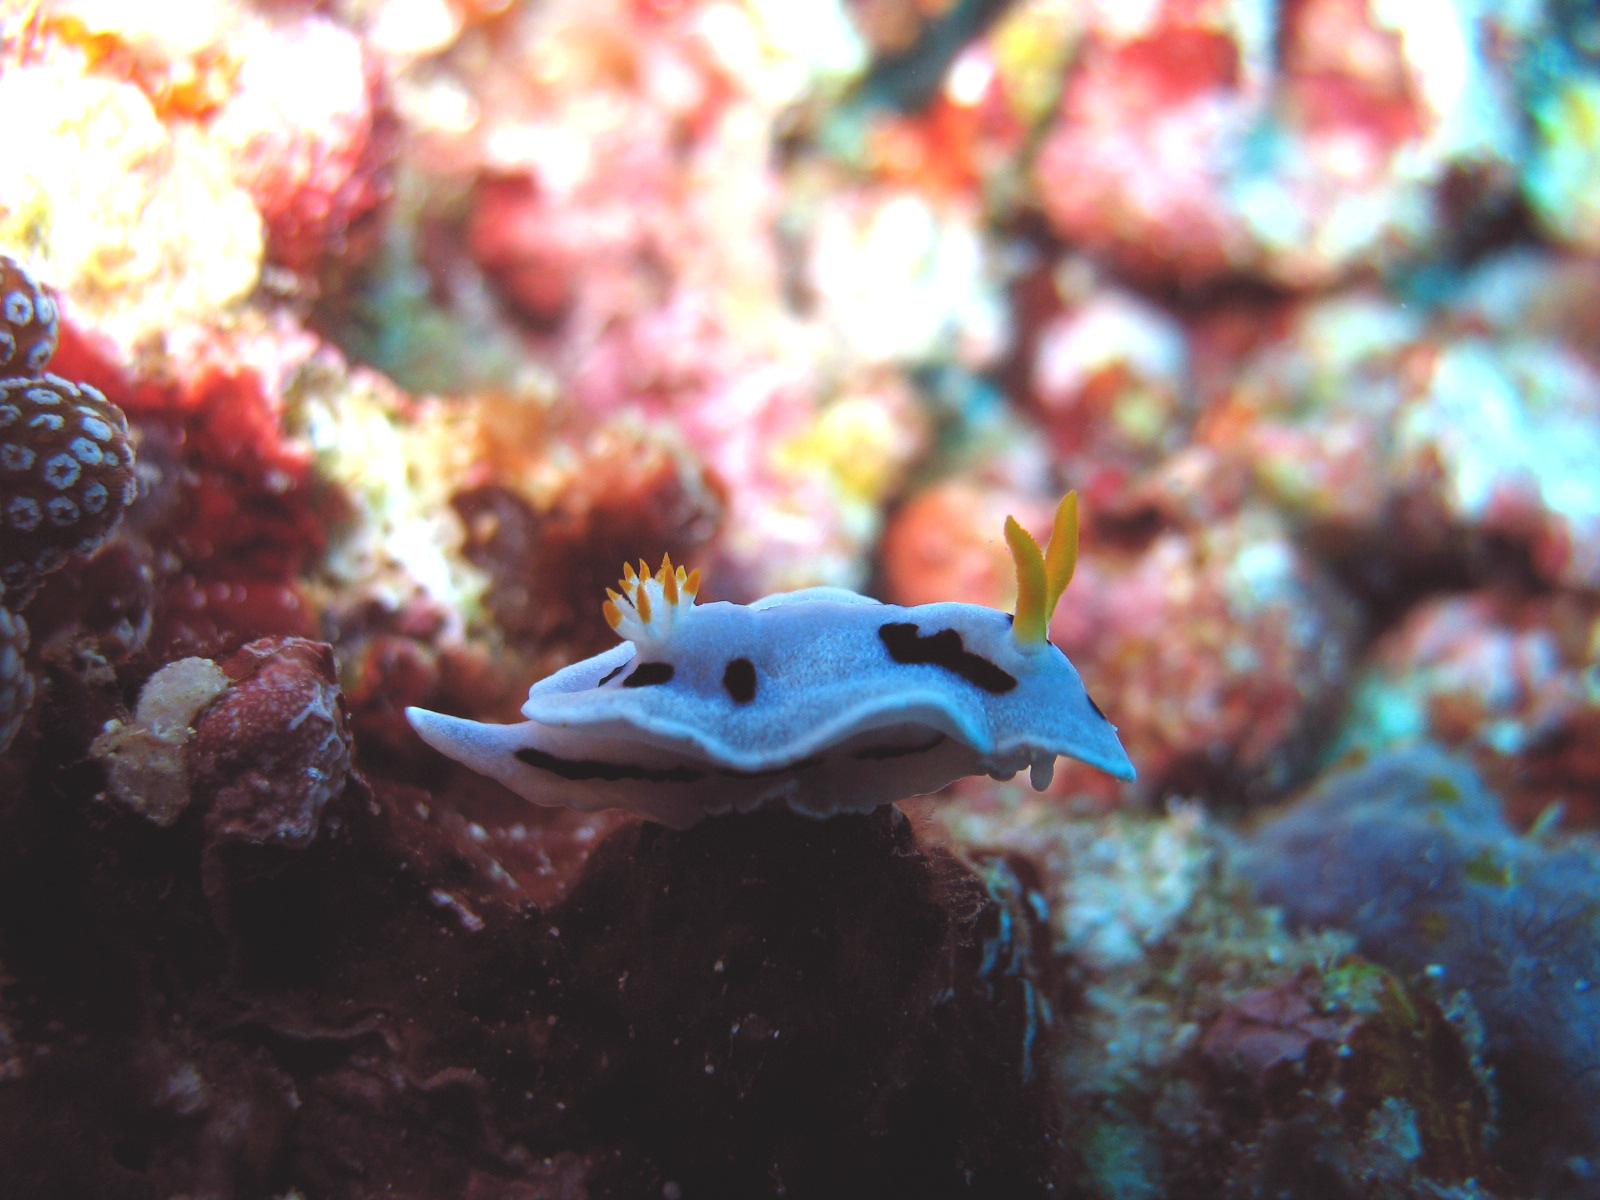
<point>383,673</point>
<point>534,259</point>
<point>268,755</point>
<point>214,419</point>
<point>941,545</point>
<point>200,616</point>
<point>1349,76</point>
<point>232,514</point>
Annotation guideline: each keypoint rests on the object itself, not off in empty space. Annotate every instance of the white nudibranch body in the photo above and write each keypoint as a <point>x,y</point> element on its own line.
<point>822,698</point>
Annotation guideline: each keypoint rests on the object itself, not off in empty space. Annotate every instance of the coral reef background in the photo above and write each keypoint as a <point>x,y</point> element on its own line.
<point>349,346</point>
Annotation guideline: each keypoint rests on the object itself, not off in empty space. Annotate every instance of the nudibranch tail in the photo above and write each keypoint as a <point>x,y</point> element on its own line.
<point>1041,576</point>
<point>649,606</point>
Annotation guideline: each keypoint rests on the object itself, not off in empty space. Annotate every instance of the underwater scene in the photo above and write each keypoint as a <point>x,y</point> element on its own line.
<point>846,599</point>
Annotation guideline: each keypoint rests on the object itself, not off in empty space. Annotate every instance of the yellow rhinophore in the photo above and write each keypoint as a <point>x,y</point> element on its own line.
<point>650,604</point>
<point>1041,576</point>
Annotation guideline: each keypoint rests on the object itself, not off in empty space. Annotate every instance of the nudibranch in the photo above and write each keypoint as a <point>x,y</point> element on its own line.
<point>822,698</point>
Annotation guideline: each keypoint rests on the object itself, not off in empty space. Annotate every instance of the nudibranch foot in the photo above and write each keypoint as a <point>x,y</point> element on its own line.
<point>823,699</point>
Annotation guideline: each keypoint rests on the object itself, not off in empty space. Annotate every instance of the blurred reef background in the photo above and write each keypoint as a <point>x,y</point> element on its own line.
<point>393,327</point>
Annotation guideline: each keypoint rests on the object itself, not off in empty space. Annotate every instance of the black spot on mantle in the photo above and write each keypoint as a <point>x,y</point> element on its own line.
<point>649,675</point>
<point>739,680</point>
<point>944,649</point>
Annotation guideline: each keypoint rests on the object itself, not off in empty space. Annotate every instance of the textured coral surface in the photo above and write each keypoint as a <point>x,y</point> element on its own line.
<point>347,348</point>
<point>1414,857</point>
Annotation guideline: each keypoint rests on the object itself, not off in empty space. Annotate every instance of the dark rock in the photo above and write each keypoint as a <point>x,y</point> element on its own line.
<point>773,1005</point>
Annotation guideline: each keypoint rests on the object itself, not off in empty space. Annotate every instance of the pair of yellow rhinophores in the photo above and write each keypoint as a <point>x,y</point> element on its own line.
<point>1042,576</point>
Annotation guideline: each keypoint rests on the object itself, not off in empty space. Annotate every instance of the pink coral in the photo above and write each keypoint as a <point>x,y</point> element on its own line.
<point>1136,165</point>
<point>1227,647</point>
<point>618,165</point>
<point>1300,143</point>
<point>1423,446</point>
<point>1108,373</point>
<point>273,749</point>
<point>1507,680</point>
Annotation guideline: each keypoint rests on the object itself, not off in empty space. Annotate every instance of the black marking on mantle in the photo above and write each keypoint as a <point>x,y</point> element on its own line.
<point>594,768</point>
<point>649,674</point>
<point>944,649</point>
<point>1096,708</point>
<point>739,680</point>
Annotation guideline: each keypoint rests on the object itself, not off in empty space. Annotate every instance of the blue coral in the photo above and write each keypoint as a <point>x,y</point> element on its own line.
<point>1411,854</point>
